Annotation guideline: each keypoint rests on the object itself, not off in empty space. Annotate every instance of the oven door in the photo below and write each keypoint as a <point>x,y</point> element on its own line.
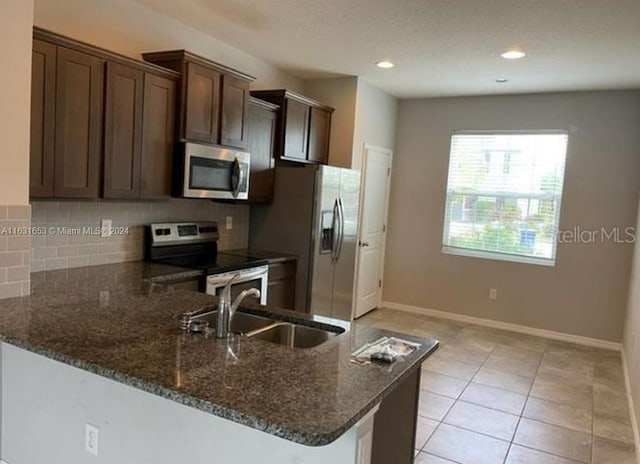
<point>212,172</point>
<point>255,277</point>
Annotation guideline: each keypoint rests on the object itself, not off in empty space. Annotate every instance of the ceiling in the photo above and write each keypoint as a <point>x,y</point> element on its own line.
<point>440,47</point>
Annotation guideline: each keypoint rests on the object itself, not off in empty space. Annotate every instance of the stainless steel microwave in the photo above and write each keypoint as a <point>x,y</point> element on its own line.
<point>213,172</point>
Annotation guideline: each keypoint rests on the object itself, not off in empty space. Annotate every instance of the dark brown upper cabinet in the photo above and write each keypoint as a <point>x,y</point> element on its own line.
<point>43,89</point>
<point>303,128</point>
<point>319,132</point>
<point>296,129</point>
<point>213,99</point>
<point>123,131</point>
<point>78,124</point>
<point>102,125</point>
<point>138,136</point>
<point>158,123</point>
<point>233,115</point>
<point>261,132</point>
<point>202,103</point>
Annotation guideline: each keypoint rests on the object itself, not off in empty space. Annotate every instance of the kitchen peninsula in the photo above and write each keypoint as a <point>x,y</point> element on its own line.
<point>101,346</point>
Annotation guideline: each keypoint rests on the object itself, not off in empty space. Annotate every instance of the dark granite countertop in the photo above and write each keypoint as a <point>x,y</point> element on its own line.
<point>272,256</point>
<point>118,322</point>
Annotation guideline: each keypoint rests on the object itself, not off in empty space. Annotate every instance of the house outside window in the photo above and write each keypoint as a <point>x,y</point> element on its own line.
<point>504,192</point>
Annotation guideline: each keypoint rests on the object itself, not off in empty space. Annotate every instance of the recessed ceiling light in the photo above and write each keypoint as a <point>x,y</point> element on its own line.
<point>385,64</point>
<point>502,80</point>
<point>513,54</point>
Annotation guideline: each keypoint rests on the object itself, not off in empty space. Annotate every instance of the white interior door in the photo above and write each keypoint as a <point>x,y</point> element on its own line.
<point>373,220</point>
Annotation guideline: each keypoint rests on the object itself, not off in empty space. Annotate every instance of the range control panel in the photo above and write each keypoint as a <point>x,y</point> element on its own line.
<point>173,233</point>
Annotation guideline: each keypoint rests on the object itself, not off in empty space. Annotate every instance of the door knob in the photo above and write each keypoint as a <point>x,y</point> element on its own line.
<point>364,244</point>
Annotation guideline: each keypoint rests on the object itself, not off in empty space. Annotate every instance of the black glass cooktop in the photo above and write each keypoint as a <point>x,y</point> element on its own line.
<point>214,264</point>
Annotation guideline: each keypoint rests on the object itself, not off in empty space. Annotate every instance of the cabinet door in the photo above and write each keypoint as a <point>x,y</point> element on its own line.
<point>123,131</point>
<point>281,294</point>
<point>78,127</point>
<point>394,428</point>
<point>319,128</point>
<point>43,87</point>
<point>296,130</point>
<point>261,128</point>
<point>201,104</point>
<point>281,290</point>
<point>235,102</point>
<point>157,137</point>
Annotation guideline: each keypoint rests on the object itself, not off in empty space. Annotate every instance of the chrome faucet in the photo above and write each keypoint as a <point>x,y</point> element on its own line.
<point>226,309</point>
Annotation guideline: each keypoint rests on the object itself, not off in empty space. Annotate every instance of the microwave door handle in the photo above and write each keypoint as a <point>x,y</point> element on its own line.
<point>238,175</point>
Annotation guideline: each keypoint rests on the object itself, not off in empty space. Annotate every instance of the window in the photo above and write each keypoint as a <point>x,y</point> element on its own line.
<point>503,195</point>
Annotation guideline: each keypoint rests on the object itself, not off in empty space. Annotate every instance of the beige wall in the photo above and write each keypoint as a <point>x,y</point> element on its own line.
<point>375,120</point>
<point>130,28</point>
<point>632,331</point>
<point>586,292</point>
<point>364,114</point>
<point>339,93</point>
<point>16,17</point>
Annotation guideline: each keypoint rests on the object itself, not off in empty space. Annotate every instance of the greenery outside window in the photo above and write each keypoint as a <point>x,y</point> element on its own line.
<point>504,192</point>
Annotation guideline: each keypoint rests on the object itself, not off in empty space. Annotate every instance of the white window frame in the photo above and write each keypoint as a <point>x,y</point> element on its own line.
<point>494,255</point>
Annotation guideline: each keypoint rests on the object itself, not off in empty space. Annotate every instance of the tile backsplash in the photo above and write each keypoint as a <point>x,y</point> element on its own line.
<point>63,237</point>
<point>14,250</point>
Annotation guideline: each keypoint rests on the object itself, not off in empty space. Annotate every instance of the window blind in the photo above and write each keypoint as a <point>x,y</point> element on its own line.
<point>504,192</point>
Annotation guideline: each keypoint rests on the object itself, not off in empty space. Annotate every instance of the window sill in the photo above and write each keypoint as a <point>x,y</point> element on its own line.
<point>498,256</point>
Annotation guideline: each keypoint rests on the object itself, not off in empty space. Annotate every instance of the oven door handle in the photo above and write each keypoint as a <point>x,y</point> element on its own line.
<point>241,276</point>
<point>237,177</point>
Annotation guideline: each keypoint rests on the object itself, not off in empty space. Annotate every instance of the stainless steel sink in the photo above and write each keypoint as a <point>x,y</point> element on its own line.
<point>262,328</point>
<point>292,335</point>
<point>241,323</point>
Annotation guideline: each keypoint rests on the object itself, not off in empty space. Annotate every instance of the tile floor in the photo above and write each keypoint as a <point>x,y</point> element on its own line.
<point>494,397</point>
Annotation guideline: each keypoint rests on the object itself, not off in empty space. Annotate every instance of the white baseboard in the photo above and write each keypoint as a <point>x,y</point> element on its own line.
<point>565,337</point>
<point>632,411</point>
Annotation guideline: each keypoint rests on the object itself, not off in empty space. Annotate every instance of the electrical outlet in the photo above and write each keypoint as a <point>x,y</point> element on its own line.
<point>493,294</point>
<point>229,220</point>
<point>105,228</point>
<point>91,439</point>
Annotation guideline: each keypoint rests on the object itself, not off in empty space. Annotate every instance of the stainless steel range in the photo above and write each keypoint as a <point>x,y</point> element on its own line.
<point>194,245</point>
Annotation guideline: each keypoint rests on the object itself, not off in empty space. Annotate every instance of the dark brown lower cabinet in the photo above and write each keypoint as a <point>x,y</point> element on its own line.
<point>158,123</point>
<point>78,124</point>
<point>394,426</point>
<point>281,291</point>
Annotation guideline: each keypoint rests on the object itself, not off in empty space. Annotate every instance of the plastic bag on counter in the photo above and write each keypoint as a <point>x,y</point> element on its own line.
<point>386,349</point>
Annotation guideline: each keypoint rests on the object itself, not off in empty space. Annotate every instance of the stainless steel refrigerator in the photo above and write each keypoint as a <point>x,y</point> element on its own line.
<point>314,215</point>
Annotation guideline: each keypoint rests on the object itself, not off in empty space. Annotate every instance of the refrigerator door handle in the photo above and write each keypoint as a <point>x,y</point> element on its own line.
<point>340,228</point>
<point>335,228</point>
